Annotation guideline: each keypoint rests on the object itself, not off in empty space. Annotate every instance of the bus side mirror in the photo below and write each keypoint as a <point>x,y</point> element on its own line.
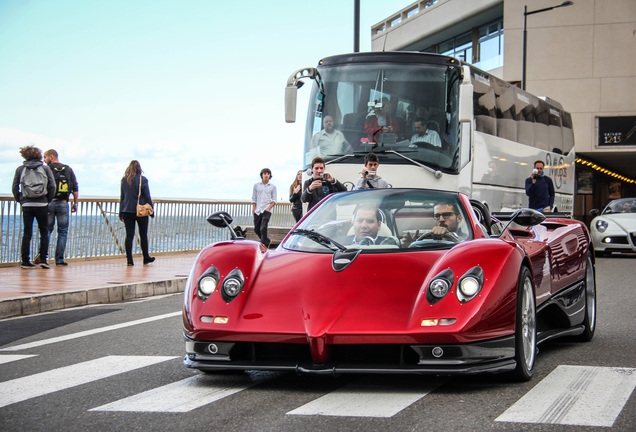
<point>466,97</point>
<point>290,103</point>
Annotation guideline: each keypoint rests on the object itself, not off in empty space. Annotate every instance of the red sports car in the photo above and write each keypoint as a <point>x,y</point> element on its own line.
<point>392,281</point>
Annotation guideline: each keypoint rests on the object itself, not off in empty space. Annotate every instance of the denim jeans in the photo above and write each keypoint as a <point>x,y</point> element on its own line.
<point>39,214</point>
<point>59,210</point>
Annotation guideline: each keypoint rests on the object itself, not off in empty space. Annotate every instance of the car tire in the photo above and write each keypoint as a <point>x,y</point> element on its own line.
<point>525,328</point>
<point>589,322</point>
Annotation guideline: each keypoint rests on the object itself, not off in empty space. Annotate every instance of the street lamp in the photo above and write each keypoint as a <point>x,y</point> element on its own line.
<point>525,35</point>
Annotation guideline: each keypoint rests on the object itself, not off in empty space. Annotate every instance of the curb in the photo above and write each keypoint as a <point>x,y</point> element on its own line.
<point>103,295</point>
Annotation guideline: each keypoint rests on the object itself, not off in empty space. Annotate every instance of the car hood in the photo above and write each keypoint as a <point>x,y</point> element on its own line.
<point>298,293</point>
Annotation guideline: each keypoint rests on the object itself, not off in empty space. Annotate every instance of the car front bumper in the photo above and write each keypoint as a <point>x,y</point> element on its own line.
<point>491,356</point>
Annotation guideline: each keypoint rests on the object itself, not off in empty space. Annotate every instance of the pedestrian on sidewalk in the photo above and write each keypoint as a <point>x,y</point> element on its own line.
<point>263,199</point>
<point>65,185</point>
<point>34,188</point>
<point>134,192</point>
<point>295,191</point>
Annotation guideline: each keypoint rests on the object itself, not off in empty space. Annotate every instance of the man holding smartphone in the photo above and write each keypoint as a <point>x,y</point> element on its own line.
<point>540,189</point>
<point>320,184</point>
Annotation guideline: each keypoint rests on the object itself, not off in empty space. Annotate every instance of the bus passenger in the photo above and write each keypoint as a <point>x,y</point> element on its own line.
<point>328,142</point>
<point>381,121</point>
<point>370,178</point>
<point>425,135</point>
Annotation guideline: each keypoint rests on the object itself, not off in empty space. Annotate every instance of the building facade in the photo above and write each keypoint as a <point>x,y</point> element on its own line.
<point>581,54</point>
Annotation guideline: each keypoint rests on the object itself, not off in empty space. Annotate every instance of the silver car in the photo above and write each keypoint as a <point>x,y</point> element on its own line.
<point>614,230</point>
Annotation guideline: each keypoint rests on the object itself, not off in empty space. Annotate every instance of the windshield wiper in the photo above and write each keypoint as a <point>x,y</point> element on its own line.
<point>319,238</point>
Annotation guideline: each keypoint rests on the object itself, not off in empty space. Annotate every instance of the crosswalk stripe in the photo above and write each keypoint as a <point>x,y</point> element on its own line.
<point>358,400</point>
<point>181,396</point>
<point>14,357</point>
<point>89,332</point>
<point>575,395</point>
<point>21,389</point>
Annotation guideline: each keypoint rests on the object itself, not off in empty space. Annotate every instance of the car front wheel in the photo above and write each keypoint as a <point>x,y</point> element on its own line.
<point>525,328</point>
<point>590,302</point>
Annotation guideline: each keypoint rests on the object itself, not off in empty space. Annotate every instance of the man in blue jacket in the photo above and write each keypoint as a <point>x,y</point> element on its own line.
<point>540,189</point>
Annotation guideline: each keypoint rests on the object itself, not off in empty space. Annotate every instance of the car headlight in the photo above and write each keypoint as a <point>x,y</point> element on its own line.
<point>439,286</point>
<point>601,225</point>
<point>207,283</point>
<point>470,284</point>
<point>232,285</point>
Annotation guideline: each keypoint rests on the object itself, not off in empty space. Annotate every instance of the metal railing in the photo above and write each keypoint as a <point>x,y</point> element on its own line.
<point>95,230</point>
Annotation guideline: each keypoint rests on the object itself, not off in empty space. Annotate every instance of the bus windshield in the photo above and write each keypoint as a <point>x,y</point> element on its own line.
<point>406,112</point>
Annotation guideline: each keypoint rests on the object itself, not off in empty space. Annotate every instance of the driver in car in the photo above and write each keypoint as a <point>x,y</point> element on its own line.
<point>447,219</point>
<point>366,225</point>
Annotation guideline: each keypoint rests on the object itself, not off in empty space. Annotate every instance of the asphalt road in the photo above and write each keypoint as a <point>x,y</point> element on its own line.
<point>119,367</point>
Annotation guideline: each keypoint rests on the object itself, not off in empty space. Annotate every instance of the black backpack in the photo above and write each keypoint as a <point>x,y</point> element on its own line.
<point>62,187</point>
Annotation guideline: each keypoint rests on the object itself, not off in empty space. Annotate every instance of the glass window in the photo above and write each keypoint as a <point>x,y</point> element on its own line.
<point>383,220</point>
<point>357,108</point>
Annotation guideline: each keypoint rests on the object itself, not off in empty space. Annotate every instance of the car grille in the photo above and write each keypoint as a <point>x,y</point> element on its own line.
<point>340,354</point>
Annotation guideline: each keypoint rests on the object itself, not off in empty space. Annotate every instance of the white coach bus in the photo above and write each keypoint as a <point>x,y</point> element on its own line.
<point>489,132</point>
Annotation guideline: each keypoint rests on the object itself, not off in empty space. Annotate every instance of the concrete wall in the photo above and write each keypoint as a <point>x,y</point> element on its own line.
<point>582,55</point>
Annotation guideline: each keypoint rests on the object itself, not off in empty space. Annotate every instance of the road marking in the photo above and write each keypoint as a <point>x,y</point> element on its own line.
<point>357,400</point>
<point>89,332</point>
<point>14,357</point>
<point>181,396</point>
<point>21,389</point>
<point>575,395</point>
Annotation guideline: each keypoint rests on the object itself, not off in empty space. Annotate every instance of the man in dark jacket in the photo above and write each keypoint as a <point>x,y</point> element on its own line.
<point>540,189</point>
<point>66,185</point>
<point>33,207</point>
<point>320,184</point>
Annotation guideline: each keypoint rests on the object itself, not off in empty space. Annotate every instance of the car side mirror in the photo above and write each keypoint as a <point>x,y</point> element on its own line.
<point>222,219</point>
<point>528,217</point>
<point>594,212</point>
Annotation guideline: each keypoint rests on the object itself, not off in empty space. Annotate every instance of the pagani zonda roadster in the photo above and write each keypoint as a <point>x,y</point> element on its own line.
<point>392,281</point>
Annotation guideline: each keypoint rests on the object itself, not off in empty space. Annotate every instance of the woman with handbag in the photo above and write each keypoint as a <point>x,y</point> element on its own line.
<point>135,206</point>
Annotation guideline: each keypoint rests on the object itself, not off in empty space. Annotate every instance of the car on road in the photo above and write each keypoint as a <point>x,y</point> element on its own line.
<point>614,229</point>
<point>368,282</point>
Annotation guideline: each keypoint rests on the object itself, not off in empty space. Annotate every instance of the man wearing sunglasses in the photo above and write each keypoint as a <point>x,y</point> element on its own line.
<point>447,219</point>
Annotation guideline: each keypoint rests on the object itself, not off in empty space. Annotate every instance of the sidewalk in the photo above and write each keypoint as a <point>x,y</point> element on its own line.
<point>24,292</point>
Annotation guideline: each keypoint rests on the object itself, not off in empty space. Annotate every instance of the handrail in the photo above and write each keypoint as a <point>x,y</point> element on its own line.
<point>95,230</point>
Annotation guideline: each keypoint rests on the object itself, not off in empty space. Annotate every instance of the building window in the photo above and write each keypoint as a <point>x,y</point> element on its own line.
<point>490,40</point>
<point>460,47</point>
<point>486,42</point>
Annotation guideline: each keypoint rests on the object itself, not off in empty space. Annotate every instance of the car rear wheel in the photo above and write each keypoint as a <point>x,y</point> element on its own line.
<point>525,328</point>
<point>590,302</point>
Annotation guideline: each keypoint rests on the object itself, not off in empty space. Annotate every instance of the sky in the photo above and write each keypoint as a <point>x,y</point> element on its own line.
<point>193,89</point>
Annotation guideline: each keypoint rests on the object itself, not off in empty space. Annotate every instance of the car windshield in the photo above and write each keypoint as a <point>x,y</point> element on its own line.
<point>394,220</point>
<point>625,205</point>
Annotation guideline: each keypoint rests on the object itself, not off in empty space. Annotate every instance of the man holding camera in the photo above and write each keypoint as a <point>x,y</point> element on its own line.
<point>370,178</point>
<point>540,189</point>
<point>320,184</point>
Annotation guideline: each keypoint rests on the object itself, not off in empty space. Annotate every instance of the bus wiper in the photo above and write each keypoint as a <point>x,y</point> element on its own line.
<point>437,173</point>
<point>319,238</point>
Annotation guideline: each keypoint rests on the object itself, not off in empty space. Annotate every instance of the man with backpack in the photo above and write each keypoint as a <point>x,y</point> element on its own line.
<point>33,187</point>
<point>65,185</point>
